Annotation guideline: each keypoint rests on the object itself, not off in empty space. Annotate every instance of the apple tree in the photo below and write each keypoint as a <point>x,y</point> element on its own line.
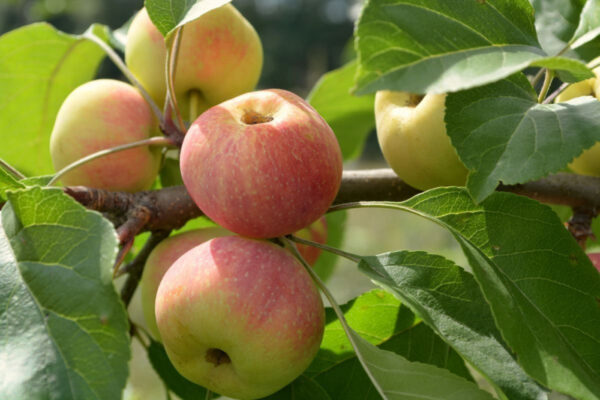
<point>488,113</point>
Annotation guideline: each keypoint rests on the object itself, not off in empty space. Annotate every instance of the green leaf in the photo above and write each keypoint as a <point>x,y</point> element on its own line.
<point>541,287</point>
<point>171,377</point>
<point>569,70</point>
<point>451,303</point>
<point>589,24</point>
<point>432,46</point>
<point>63,329</point>
<point>351,117</point>
<point>170,14</point>
<point>7,182</point>
<point>383,321</point>
<point>556,22</point>
<point>39,67</point>
<point>501,133</point>
<point>302,388</point>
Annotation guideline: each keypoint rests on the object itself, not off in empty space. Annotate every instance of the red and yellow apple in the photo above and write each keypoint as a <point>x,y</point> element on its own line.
<point>220,56</point>
<point>316,232</point>
<point>263,164</point>
<point>588,163</point>
<point>99,115</point>
<point>239,316</point>
<point>413,138</point>
<point>595,259</point>
<point>161,259</point>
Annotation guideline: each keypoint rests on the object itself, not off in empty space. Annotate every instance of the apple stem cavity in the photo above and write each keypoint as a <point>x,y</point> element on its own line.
<point>195,99</point>
<point>153,141</point>
<point>217,357</point>
<point>415,99</point>
<point>123,68</point>
<point>170,68</point>
<point>252,117</point>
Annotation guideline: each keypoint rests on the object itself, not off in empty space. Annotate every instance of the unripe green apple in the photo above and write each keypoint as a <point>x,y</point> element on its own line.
<point>220,56</point>
<point>588,163</point>
<point>239,316</point>
<point>99,115</point>
<point>263,164</point>
<point>412,136</point>
<point>161,259</point>
<point>316,232</point>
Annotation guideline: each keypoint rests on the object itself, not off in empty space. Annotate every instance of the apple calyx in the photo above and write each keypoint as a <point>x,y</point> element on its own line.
<point>217,357</point>
<point>252,117</point>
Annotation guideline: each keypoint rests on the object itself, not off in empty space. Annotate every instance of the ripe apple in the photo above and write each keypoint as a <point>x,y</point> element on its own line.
<point>161,259</point>
<point>316,232</point>
<point>220,56</point>
<point>595,259</point>
<point>99,115</point>
<point>239,316</point>
<point>263,164</point>
<point>412,136</point>
<point>588,163</point>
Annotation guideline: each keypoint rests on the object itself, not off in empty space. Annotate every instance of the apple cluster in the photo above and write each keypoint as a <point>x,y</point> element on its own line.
<point>236,313</point>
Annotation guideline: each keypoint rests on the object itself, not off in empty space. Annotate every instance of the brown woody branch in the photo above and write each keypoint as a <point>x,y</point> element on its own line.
<point>170,208</point>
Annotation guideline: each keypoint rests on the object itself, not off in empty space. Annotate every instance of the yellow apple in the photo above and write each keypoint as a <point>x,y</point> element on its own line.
<point>412,135</point>
<point>220,56</point>
<point>588,163</point>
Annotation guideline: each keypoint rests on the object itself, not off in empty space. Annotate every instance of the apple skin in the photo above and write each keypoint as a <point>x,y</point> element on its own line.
<point>588,163</point>
<point>412,136</point>
<point>263,164</point>
<point>99,115</point>
<point>595,259</point>
<point>239,316</point>
<point>160,260</point>
<point>316,232</point>
<point>220,57</point>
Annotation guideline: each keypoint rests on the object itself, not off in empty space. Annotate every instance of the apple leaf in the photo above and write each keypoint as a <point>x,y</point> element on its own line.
<point>501,133</point>
<point>383,321</point>
<point>430,46</point>
<point>556,22</point>
<point>176,383</point>
<point>39,67</point>
<point>542,289</point>
<point>449,300</point>
<point>170,14</point>
<point>351,117</point>
<point>589,24</point>
<point>63,329</point>
<point>302,388</point>
<point>7,182</point>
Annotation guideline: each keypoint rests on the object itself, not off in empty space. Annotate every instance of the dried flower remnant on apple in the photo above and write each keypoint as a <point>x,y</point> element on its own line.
<point>263,164</point>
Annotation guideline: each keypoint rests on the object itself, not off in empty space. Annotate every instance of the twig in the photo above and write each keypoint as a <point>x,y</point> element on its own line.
<point>580,224</point>
<point>136,267</point>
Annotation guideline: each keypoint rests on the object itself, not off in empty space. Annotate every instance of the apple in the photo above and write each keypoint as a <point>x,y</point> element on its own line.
<point>316,232</point>
<point>102,114</point>
<point>239,316</point>
<point>412,136</point>
<point>588,163</point>
<point>595,259</point>
<point>263,164</point>
<point>160,260</point>
<point>220,56</point>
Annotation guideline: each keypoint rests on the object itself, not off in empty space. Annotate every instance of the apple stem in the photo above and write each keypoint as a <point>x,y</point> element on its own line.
<point>208,395</point>
<point>123,68</point>
<point>170,69</point>
<point>13,171</point>
<point>350,256</point>
<point>336,308</point>
<point>548,77</point>
<point>153,141</point>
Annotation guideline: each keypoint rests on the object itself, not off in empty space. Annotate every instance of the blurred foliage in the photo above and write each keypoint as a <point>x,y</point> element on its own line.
<point>302,39</point>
